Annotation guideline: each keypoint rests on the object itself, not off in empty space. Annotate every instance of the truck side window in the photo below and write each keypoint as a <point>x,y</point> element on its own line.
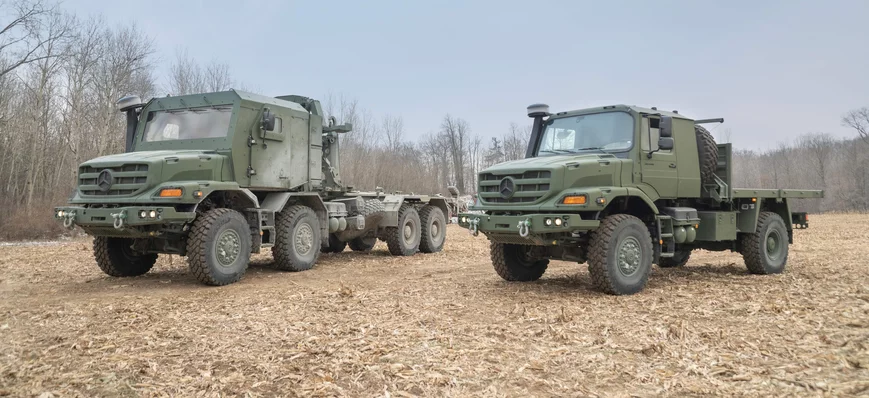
<point>651,125</point>
<point>279,124</point>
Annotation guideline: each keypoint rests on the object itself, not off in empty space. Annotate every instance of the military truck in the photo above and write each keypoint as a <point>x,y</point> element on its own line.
<point>622,187</point>
<point>218,176</point>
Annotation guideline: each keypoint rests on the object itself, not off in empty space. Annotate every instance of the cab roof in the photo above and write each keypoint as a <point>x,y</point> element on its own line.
<point>622,108</point>
<point>221,97</point>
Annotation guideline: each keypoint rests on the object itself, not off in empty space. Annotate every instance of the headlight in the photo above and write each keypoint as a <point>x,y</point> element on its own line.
<point>60,213</point>
<point>153,214</point>
<point>464,219</point>
<point>143,214</point>
<point>558,222</point>
<point>548,222</point>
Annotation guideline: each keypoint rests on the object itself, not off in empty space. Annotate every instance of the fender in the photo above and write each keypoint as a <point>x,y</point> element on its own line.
<point>441,203</point>
<point>276,201</point>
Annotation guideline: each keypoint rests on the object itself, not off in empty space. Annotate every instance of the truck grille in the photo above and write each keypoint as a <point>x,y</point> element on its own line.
<point>126,180</point>
<point>527,187</point>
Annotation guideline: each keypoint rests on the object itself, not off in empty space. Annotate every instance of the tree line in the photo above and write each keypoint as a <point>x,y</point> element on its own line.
<point>61,75</point>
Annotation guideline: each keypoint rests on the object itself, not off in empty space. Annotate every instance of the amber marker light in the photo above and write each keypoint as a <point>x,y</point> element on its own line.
<point>170,193</point>
<point>575,200</point>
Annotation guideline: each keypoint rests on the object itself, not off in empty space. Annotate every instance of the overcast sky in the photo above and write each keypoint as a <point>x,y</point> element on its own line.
<point>772,69</point>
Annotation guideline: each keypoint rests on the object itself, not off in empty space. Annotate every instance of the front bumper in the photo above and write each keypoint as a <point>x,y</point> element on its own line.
<point>120,217</point>
<point>535,223</point>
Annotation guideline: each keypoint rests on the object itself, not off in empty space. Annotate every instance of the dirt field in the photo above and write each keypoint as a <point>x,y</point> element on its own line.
<point>439,325</point>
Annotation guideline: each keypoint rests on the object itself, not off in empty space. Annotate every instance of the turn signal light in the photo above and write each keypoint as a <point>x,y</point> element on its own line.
<point>170,193</point>
<point>575,200</point>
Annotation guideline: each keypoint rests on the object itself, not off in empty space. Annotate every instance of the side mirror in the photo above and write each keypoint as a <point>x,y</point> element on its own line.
<point>665,127</point>
<point>665,143</point>
<point>268,120</point>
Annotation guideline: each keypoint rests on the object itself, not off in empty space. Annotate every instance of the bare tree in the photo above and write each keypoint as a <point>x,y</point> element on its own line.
<point>819,148</point>
<point>185,75</point>
<point>217,77</point>
<point>858,119</point>
<point>516,141</point>
<point>26,31</point>
<point>456,131</point>
<point>393,130</point>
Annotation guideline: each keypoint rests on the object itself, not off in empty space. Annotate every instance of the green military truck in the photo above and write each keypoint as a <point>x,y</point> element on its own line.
<point>622,187</point>
<point>219,176</point>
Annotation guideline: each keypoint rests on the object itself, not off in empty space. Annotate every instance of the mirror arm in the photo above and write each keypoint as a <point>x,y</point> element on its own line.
<point>649,131</point>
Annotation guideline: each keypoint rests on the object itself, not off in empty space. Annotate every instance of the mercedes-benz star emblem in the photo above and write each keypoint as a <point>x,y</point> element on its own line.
<point>105,180</point>
<point>506,188</point>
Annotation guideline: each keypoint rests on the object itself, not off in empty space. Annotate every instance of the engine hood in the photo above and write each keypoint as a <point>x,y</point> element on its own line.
<point>533,181</point>
<point>138,157</point>
<point>547,162</point>
<point>132,173</point>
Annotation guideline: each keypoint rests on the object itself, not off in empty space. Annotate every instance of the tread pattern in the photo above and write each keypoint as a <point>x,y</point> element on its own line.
<point>598,248</point>
<point>679,259</point>
<point>372,206</point>
<point>707,152</point>
<point>197,252</point>
<point>497,252</point>
<point>360,245</point>
<point>752,245</point>
<point>393,235</point>
<point>426,245</point>
<point>335,245</point>
<point>284,242</point>
<point>111,259</point>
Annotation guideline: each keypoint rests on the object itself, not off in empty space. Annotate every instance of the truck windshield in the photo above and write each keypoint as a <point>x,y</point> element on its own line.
<point>600,131</point>
<point>187,124</point>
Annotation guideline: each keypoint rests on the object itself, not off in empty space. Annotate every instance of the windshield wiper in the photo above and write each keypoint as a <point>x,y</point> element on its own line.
<point>593,148</point>
<point>557,151</point>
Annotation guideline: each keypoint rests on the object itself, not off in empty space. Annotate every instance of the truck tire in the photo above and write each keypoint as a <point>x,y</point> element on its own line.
<point>218,248</point>
<point>403,240</point>
<point>513,263</point>
<point>363,243</point>
<point>116,258</point>
<point>707,152</point>
<point>620,255</point>
<point>766,250</point>
<point>680,258</point>
<point>371,207</point>
<point>297,246</point>
<point>335,245</point>
<point>434,229</point>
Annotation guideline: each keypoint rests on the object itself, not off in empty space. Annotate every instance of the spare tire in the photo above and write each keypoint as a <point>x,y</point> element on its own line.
<point>707,153</point>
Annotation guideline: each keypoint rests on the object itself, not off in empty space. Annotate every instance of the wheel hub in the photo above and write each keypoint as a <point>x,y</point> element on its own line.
<point>228,247</point>
<point>304,239</point>
<point>773,245</point>
<point>434,229</point>
<point>628,254</point>
<point>409,231</point>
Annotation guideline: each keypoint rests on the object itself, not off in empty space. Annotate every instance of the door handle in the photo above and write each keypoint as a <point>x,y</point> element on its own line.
<point>672,165</point>
<point>603,161</point>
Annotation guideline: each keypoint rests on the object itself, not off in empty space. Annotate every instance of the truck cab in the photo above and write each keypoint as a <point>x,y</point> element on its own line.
<point>217,176</point>
<point>592,172</point>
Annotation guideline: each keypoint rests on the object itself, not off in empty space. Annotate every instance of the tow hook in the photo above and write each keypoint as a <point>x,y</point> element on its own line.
<point>473,226</point>
<point>119,219</point>
<point>69,219</point>
<point>524,227</point>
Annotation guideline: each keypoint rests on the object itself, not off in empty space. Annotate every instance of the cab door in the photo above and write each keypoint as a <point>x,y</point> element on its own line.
<point>658,165</point>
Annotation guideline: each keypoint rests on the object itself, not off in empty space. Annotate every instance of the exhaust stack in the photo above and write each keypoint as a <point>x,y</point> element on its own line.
<point>130,105</point>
